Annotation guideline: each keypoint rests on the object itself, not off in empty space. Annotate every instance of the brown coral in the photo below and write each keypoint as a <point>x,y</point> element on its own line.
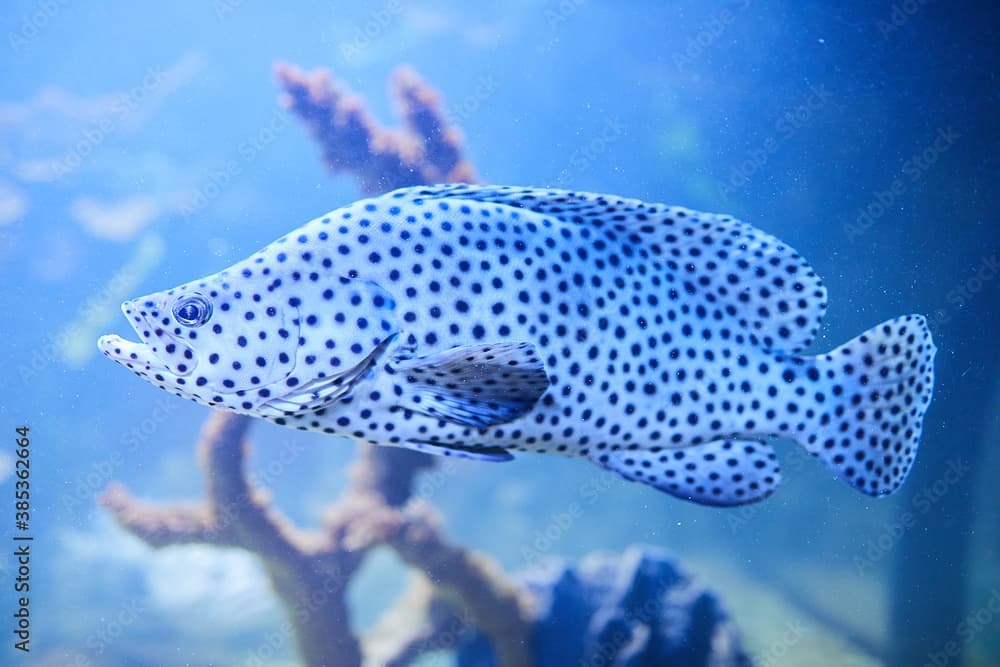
<point>426,150</point>
<point>310,570</point>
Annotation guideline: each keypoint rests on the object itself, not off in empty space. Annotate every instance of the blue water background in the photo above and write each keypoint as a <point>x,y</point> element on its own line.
<point>798,117</point>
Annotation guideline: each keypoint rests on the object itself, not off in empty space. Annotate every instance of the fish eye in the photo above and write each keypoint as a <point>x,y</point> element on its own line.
<point>192,311</point>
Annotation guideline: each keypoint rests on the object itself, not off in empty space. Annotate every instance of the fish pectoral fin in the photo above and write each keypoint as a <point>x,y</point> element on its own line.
<point>311,396</point>
<point>723,473</point>
<point>320,392</point>
<point>475,385</point>
<point>494,454</point>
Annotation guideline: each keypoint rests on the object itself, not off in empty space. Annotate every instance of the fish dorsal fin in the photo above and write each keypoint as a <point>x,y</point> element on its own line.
<point>474,385</point>
<point>720,472</point>
<point>737,271</point>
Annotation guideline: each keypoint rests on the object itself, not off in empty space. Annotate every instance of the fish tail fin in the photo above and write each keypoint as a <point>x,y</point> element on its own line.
<point>871,396</point>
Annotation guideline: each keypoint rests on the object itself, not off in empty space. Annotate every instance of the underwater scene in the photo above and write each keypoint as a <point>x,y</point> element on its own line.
<point>518,334</point>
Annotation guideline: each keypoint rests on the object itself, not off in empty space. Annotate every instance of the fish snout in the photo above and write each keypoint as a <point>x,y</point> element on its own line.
<point>158,349</point>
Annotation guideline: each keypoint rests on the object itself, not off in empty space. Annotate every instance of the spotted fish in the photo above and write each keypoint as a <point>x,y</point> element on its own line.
<point>476,321</point>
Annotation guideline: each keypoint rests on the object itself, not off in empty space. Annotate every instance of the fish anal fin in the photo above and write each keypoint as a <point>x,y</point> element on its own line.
<point>474,385</point>
<point>724,473</point>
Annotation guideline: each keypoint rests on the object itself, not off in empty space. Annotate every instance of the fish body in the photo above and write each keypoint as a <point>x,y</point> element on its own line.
<point>662,343</point>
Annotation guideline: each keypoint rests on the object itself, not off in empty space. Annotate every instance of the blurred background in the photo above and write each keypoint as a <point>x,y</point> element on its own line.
<point>141,148</point>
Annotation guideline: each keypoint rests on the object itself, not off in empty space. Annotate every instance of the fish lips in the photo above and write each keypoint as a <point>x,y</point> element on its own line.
<point>135,356</point>
<point>152,356</point>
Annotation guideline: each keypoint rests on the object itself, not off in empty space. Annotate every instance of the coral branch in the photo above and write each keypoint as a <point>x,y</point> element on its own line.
<point>421,622</point>
<point>310,571</point>
<point>162,526</point>
<point>231,499</point>
<point>426,150</point>
<point>313,590</point>
<point>388,473</point>
<point>500,610</point>
<point>420,107</point>
<point>309,576</point>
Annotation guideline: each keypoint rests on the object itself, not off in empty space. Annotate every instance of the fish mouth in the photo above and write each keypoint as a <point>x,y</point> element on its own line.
<point>135,356</point>
<point>139,356</point>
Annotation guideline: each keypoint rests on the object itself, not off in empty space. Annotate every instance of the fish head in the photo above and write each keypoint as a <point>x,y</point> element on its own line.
<point>225,340</point>
<point>270,336</point>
